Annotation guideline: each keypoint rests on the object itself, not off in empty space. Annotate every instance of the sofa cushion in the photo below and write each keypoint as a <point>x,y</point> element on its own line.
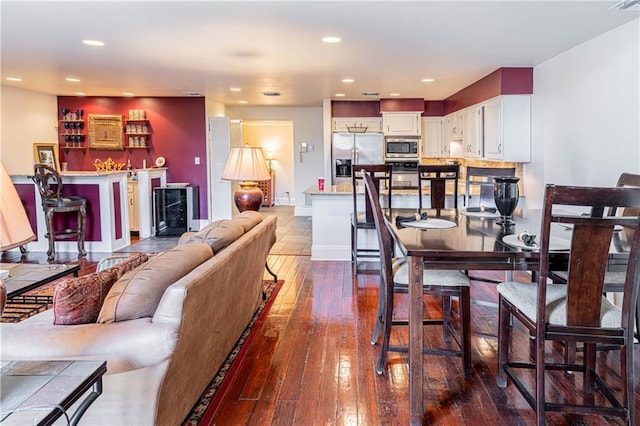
<point>138,292</point>
<point>248,219</point>
<point>79,300</point>
<point>218,234</point>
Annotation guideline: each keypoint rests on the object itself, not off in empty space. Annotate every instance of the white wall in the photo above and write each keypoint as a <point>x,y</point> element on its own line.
<point>308,128</point>
<point>586,114</point>
<point>26,117</point>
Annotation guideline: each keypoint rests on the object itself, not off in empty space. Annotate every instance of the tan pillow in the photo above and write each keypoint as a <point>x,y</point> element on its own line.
<point>218,234</point>
<point>79,300</point>
<point>138,292</point>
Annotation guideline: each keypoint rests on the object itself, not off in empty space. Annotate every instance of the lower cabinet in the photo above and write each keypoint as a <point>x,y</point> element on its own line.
<point>132,195</point>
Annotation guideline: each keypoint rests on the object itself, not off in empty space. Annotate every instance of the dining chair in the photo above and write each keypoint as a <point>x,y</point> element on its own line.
<point>49,184</point>
<point>482,177</point>
<point>382,175</point>
<point>437,175</point>
<point>394,279</point>
<point>575,312</point>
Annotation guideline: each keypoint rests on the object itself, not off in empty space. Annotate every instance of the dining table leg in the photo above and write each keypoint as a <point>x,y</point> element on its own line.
<point>416,373</point>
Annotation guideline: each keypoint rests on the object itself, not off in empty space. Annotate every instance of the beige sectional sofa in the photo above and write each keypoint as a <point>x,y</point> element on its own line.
<point>165,327</point>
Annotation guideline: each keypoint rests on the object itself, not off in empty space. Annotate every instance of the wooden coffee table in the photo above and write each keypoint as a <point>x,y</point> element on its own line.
<point>39,392</point>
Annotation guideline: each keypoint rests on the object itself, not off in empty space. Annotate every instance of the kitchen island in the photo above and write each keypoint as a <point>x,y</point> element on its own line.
<point>107,226</point>
<point>331,223</point>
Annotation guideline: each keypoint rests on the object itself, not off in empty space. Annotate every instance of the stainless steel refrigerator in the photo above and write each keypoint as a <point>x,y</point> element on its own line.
<point>354,148</point>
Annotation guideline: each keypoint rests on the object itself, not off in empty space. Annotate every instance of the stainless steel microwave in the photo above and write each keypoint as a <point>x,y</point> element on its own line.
<point>401,147</point>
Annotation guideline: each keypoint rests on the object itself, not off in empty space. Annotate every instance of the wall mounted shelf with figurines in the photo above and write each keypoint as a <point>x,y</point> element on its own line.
<point>137,130</point>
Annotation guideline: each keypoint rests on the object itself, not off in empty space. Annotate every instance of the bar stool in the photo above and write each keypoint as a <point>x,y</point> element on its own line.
<point>49,183</point>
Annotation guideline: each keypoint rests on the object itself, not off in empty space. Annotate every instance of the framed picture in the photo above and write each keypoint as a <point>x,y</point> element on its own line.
<point>105,132</point>
<point>46,153</point>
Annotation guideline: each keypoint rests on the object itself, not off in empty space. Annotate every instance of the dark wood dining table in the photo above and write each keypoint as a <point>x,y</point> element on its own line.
<point>475,243</point>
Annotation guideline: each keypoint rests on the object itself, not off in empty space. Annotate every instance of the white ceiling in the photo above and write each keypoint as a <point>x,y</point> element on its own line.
<point>155,48</point>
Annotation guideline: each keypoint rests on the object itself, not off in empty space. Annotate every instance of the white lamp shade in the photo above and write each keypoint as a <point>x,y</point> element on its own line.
<point>15,229</point>
<point>246,163</point>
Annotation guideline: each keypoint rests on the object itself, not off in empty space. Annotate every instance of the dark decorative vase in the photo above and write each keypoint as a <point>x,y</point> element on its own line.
<point>505,192</point>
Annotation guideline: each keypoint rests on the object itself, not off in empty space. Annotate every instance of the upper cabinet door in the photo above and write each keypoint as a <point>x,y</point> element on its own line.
<point>401,123</point>
<point>455,126</point>
<point>434,144</point>
<point>472,144</point>
<point>507,128</point>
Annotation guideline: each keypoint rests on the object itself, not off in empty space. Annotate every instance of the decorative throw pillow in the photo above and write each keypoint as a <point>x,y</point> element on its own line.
<point>218,234</point>
<point>128,264</point>
<point>78,300</point>
<point>138,292</point>
<point>248,219</point>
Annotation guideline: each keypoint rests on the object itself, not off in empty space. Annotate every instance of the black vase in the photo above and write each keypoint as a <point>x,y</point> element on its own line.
<point>506,195</point>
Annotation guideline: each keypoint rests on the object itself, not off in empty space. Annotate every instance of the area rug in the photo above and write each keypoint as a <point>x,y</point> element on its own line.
<point>204,409</point>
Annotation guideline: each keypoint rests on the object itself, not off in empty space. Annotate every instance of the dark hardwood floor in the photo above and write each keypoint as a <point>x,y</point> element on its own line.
<point>312,362</point>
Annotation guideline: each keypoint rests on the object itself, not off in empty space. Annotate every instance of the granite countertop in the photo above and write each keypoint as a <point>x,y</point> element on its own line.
<point>346,189</point>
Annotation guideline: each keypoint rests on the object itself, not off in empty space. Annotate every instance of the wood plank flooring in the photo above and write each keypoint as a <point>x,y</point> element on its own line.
<point>313,364</point>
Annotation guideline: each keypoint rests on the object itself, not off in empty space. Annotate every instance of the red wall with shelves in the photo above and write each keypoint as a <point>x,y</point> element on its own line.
<point>178,133</point>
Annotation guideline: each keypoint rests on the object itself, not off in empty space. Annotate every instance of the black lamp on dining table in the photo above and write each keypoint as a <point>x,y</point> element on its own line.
<point>247,164</point>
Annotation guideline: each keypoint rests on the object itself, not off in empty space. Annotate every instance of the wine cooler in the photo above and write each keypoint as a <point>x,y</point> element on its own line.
<point>176,210</point>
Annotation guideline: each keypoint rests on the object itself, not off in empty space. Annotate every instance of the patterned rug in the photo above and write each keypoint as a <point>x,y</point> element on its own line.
<point>204,409</point>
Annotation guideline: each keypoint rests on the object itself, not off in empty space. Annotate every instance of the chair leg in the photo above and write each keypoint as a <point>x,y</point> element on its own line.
<point>589,366</point>
<point>82,221</point>
<point>376,328</point>
<point>465,328</point>
<point>51,253</point>
<point>504,337</point>
<point>540,379</point>
<point>387,319</point>
<point>628,377</point>
<point>446,318</point>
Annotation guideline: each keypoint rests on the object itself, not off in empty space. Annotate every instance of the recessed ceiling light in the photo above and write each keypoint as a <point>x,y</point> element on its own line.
<point>80,94</point>
<point>243,102</point>
<point>331,39</point>
<point>14,79</point>
<point>340,95</point>
<point>428,80</point>
<point>127,94</point>
<point>271,93</point>
<point>235,89</point>
<point>72,79</point>
<point>93,42</point>
<point>394,94</point>
<point>348,80</point>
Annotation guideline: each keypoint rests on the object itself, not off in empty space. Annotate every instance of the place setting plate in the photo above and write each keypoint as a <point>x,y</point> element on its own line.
<point>430,223</point>
<point>555,243</point>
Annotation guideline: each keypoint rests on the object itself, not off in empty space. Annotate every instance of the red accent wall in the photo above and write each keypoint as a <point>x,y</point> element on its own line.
<point>355,109</point>
<point>433,109</point>
<point>503,81</point>
<point>178,133</point>
<point>117,207</point>
<point>399,105</point>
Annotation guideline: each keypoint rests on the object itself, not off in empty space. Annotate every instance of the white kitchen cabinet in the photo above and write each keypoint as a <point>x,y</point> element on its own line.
<point>455,126</point>
<point>434,144</point>
<point>472,144</point>
<point>401,123</point>
<point>132,195</point>
<point>507,128</point>
<point>372,124</point>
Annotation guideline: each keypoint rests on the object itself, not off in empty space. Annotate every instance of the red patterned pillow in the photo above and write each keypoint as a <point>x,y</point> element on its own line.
<point>79,300</point>
<point>130,263</point>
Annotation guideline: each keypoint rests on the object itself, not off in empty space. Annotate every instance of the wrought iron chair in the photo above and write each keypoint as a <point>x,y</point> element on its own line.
<point>576,312</point>
<point>437,176</point>
<point>381,175</point>
<point>49,183</point>
<point>394,279</point>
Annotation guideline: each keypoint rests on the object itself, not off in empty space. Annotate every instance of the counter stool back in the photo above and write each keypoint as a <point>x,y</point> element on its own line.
<point>437,175</point>
<point>483,177</point>
<point>49,183</point>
